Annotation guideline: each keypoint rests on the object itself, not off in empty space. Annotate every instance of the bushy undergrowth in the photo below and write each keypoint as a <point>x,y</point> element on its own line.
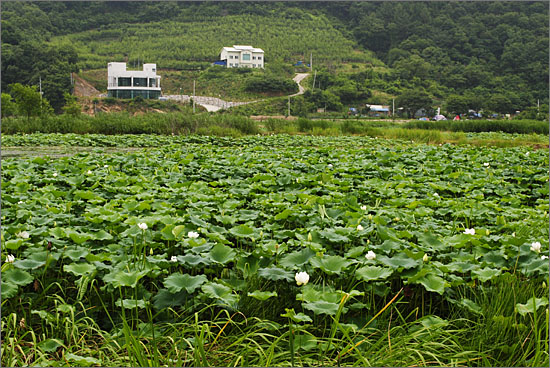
<point>506,126</point>
<point>124,123</point>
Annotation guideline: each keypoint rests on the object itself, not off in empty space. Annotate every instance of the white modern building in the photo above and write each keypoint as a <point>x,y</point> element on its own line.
<point>122,83</point>
<point>242,57</point>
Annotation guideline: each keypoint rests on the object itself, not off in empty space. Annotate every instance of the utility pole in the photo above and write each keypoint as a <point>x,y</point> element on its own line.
<point>193,96</point>
<point>311,61</point>
<point>314,76</point>
<point>40,88</point>
<point>393,108</point>
<point>538,104</point>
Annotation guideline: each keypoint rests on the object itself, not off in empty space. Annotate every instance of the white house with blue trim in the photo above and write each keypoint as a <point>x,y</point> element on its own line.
<point>240,56</point>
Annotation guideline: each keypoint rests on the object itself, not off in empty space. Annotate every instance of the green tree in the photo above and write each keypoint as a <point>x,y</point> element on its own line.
<point>9,107</point>
<point>500,103</point>
<point>456,104</point>
<point>72,107</point>
<point>28,99</point>
<point>414,100</point>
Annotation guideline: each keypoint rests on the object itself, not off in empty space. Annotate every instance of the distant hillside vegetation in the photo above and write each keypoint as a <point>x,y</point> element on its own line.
<point>179,45</point>
<point>490,55</point>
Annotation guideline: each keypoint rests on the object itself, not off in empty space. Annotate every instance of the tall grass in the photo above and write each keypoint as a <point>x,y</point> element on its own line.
<point>506,126</point>
<point>124,123</point>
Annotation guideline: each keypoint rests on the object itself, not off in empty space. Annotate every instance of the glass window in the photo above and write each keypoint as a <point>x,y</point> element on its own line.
<point>236,64</point>
<point>253,57</point>
<point>230,64</point>
<point>259,58</point>
<point>140,82</point>
<point>124,82</point>
<point>152,82</point>
<point>246,56</point>
<point>124,93</point>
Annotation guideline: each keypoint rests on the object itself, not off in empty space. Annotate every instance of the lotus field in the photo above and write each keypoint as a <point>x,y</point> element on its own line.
<point>275,250</point>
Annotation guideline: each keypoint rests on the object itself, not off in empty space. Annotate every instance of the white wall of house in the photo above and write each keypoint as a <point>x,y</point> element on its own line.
<point>242,57</point>
<point>115,71</point>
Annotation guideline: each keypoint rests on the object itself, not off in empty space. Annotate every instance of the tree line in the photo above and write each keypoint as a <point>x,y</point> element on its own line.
<point>467,55</point>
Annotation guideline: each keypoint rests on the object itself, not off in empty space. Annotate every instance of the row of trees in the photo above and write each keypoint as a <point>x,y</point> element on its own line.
<point>27,101</point>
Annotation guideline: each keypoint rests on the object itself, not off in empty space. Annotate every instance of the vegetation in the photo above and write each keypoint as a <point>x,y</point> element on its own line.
<point>507,126</point>
<point>488,56</point>
<point>186,253</point>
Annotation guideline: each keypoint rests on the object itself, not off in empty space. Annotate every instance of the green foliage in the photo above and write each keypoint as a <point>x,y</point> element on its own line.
<point>98,290</point>
<point>413,100</point>
<point>29,101</point>
<point>124,123</point>
<point>72,107</point>
<point>506,126</point>
<point>9,107</point>
<point>278,36</point>
<point>270,83</point>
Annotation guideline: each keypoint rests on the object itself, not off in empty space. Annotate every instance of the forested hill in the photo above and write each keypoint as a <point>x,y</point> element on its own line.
<point>475,49</point>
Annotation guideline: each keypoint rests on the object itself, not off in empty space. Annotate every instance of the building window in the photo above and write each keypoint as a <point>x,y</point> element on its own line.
<point>246,57</point>
<point>140,82</point>
<point>236,65</point>
<point>253,57</point>
<point>230,64</point>
<point>124,82</point>
<point>259,58</point>
<point>253,65</point>
<point>152,82</point>
<point>231,56</point>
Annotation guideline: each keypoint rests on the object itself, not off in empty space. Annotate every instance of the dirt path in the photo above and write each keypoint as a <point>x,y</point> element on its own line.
<point>215,104</point>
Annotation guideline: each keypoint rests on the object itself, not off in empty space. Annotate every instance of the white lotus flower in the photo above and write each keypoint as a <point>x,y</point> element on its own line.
<point>470,231</point>
<point>425,258</point>
<point>543,257</point>
<point>363,208</point>
<point>54,174</point>
<point>193,234</point>
<point>436,195</point>
<point>174,259</point>
<point>527,153</point>
<point>302,278</point>
<point>89,172</point>
<point>20,202</point>
<point>105,165</point>
<point>535,247</point>
<point>329,166</point>
<point>486,164</point>
<point>142,226</point>
<point>23,234</point>
<point>370,255</point>
<point>359,227</point>
<point>10,258</point>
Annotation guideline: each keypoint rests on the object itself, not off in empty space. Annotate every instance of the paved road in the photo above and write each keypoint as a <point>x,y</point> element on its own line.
<point>215,104</point>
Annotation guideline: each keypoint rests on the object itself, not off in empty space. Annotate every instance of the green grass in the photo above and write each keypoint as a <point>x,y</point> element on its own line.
<point>234,125</point>
<point>506,126</point>
<point>495,336</point>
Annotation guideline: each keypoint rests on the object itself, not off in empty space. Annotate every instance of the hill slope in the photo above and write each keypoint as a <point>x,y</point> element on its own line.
<point>179,45</point>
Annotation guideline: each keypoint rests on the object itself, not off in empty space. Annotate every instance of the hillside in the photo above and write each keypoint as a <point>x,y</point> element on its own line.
<point>463,55</point>
<point>181,45</point>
